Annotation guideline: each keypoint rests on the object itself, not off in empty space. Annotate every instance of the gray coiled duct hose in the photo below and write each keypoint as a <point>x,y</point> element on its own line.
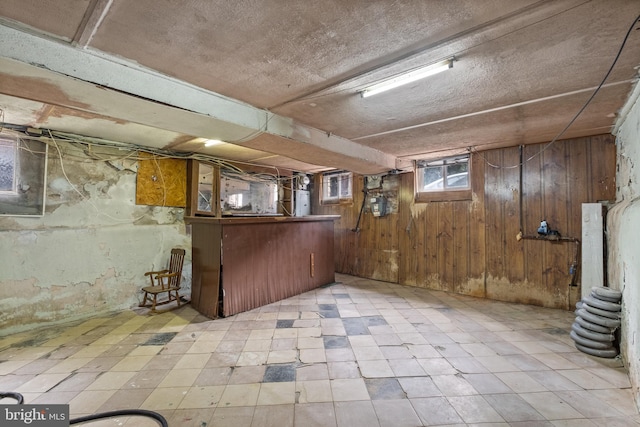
<point>597,318</point>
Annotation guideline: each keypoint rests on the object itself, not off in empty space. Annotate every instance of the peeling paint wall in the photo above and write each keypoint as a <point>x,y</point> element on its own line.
<point>89,252</point>
<point>623,223</point>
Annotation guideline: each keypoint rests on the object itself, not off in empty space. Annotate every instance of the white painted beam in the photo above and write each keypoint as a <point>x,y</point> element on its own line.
<point>592,247</point>
<point>79,79</point>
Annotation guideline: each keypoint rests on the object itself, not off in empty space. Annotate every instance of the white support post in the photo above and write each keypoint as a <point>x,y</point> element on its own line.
<point>592,247</point>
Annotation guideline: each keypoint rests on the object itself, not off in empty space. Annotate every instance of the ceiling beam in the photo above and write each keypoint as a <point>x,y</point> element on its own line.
<point>53,72</point>
<point>96,11</point>
<point>495,109</point>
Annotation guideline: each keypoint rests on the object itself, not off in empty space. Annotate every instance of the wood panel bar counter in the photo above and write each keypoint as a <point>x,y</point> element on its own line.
<point>241,263</point>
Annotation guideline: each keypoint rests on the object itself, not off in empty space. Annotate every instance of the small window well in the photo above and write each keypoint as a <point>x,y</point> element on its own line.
<point>23,169</point>
<point>443,179</point>
<point>8,165</point>
<point>336,186</point>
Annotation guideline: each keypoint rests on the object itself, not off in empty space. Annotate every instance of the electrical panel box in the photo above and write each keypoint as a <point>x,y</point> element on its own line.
<point>378,206</point>
<point>373,181</point>
<point>302,203</point>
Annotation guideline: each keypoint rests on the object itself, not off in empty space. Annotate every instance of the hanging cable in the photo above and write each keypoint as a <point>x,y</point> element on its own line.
<point>122,413</point>
<point>102,415</point>
<point>575,117</point>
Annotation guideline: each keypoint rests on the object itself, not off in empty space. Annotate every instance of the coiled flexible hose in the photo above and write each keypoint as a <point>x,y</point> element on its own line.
<point>87,418</point>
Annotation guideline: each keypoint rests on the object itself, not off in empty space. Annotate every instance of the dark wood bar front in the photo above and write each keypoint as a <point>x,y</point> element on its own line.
<point>241,263</point>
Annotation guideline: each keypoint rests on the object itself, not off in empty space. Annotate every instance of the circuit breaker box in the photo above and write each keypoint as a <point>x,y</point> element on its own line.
<point>378,206</point>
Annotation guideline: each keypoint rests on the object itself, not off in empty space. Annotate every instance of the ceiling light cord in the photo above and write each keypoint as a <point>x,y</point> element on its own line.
<point>575,117</point>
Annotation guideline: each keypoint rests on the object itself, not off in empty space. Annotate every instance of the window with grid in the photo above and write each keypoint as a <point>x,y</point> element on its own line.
<point>8,169</point>
<point>443,179</point>
<point>337,186</point>
<point>23,166</point>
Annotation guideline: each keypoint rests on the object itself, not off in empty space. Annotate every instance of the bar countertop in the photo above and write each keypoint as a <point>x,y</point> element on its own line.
<point>258,219</point>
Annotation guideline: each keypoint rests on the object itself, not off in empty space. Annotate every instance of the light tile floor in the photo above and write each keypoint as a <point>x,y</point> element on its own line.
<point>357,353</point>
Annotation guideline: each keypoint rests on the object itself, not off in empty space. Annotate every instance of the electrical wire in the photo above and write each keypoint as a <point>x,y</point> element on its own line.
<point>19,398</point>
<point>162,183</point>
<point>575,117</point>
<point>89,143</point>
<point>22,146</point>
<point>12,395</point>
<point>85,198</point>
<point>433,156</point>
<point>103,150</point>
<point>120,413</point>
<point>269,116</point>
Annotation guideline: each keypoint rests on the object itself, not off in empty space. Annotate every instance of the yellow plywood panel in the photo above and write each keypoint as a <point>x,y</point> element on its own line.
<point>161,181</point>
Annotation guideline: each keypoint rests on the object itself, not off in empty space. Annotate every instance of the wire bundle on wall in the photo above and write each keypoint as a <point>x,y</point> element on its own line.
<point>103,151</point>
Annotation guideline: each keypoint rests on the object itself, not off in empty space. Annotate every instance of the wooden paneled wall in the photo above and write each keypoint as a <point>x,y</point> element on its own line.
<point>470,247</point>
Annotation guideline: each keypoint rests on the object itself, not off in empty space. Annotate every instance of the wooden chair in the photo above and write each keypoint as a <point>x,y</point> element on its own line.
<point>165,281</point>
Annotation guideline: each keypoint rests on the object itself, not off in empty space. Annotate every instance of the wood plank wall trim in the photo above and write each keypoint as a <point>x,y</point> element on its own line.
<point>469,246</point>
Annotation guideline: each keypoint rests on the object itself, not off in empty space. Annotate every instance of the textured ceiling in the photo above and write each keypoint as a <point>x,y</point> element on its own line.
<point>523,70</point>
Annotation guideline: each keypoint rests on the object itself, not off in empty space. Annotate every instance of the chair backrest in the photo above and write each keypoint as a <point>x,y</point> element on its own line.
<point>175,266</point>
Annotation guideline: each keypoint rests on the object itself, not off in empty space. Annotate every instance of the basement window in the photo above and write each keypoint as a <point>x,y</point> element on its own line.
<point>443,179</point>
<point>23,166</point>
<point>337,186</point>
<point>8,166</point>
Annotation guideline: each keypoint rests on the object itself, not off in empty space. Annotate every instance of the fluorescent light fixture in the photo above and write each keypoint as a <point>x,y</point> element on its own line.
<point>212,142</point>
<point>408,77</point>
